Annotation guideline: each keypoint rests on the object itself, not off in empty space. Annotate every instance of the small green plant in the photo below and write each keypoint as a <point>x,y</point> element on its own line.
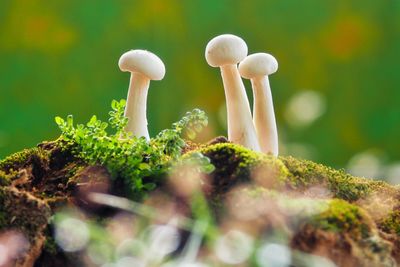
<point>135,160</point>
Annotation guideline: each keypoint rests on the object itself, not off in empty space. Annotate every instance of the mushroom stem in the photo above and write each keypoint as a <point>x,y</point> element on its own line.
<point>226,51</point>
<point>264,116</point>
<point>136,105</point>
<point>143,66</point>
<point>257,67</point>
<point>240,127</point>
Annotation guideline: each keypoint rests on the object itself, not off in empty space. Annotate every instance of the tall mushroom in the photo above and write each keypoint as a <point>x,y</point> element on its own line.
<point>226,51</point>
<point>143,66</point>
<point>257,67</point>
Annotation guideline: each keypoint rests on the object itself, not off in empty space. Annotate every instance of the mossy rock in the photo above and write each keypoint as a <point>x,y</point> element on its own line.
<point>356,215</point>
<point>21,212</point>
<point>326,212</point>
<point>331,228</point>
<point>235,164</point>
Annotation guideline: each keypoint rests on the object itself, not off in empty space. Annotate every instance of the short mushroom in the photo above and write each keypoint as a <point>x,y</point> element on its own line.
<point>226,51</point>
<point>144,66</point>
<point>257,67</point>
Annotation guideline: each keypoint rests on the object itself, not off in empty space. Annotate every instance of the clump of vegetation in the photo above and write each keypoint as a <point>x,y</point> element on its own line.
<point>340,216</point>
<point>295,174</point>
<point>344,186</point>
<point>391,224</point>
<point>20,159</point>
<point>131,158</point>
<point>3,178</point>
<point>235,164</point>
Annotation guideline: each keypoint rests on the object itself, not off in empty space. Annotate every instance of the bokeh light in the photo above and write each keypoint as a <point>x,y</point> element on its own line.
<point>309,260</point>
<point>12,246</point>
<point>99,253</point>
<point>131,248</point>
<point>304,108</point>
<point>234,247</point>
<point>393,173</point>
<point>366,164</point>
<point>276,255</point>
<point>71,234</point>
<point>129,262</point>
<point>163,240</point>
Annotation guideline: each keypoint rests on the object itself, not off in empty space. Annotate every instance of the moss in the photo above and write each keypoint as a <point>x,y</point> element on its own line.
<point>326,214</point>
<point>329,215</point>
<point>342,185</point>
<point>45,171</point>
<point>391,224</point>
<point>235,164</point>
<point>281,182</point>
<point>333,228</point>
<point>342,216</point>
<point>346,212</point>
<point>22,158</point>
<point>21,211</point>
<point>4,179</point>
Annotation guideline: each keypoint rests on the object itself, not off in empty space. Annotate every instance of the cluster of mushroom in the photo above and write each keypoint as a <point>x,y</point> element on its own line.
<point>226,52</point>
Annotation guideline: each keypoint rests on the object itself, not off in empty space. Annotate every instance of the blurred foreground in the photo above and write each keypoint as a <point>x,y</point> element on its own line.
<point>251,209</point>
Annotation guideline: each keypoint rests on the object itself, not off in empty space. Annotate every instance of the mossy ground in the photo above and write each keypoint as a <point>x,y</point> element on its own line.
<point>346,217</point>
<point>356,209</point>
<point>33,183</point>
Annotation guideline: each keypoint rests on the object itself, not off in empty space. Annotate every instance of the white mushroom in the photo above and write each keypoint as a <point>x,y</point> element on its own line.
<point>257,67</point>
<point>144,66</point>
<point>226,51</point>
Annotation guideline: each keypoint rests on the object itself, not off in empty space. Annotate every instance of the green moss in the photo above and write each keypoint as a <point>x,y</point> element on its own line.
<point>235,164</point>
<point>334,215</point>
<point>22,158</point>
<point>21,211</point>
<point>341,216</point>
<point>4,179</point>
<point>342,185</point>
<point>391,224</point>
<point>301,207</point>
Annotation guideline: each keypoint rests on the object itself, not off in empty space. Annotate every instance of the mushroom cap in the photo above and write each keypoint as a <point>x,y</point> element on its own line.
<point>144,62</point>
<point>258,65</point>
<point>226,49</point>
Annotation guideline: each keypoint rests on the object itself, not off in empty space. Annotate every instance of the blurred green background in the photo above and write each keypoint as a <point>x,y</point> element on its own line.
<point>336,93</point>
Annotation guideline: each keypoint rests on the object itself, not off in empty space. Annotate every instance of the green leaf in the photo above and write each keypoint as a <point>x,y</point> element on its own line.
<point>92,121</point>
<point>144,166</point>
<point>70,120</point>
<point>60,121</point>
<point>122,103</point>
<point>114,104</point>
<point>209,168</point>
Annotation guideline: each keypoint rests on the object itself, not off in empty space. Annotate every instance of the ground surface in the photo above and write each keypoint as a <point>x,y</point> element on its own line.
<point>351,221</point>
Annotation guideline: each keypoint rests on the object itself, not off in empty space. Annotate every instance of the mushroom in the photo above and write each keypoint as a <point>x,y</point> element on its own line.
<point>257,67</point>
<point>226,51</point>
<point>143,66</point>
